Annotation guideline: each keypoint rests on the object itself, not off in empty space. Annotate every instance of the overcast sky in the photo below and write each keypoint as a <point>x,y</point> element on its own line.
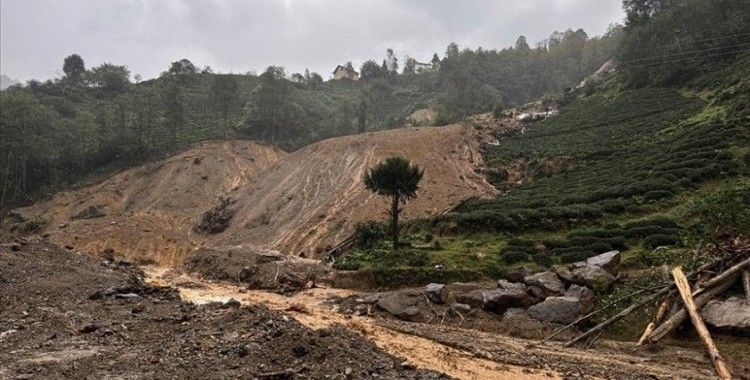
<point>248,35</point>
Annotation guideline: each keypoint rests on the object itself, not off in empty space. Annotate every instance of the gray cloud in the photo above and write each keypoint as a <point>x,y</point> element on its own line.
<point>239,36</point>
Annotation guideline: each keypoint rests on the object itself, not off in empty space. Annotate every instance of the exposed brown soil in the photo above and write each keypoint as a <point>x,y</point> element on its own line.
<point>243,193</point>
<point>148,213</point>
<point>68,315</point>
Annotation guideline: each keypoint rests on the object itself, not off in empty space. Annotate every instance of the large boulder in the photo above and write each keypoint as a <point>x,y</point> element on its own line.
<point>474,298</point>
<point>402,304</point>
<point>518,274</point>
<point>556,309</point>
<point>432,291</point>
<point>591,275</point>
<point>563,272</point>
<point>584,294</point>
<point>500,300</point>
<point>607,260</point>
<point>449,293</point>
<point>547,281</point>
<point>505,284</point>
<point>732,313</point>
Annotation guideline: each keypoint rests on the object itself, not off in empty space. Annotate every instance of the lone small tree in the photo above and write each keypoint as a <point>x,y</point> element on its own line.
<point>397,178</point>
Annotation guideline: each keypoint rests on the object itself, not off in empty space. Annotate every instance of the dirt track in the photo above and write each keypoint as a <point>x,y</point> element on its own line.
<point>461,352</point>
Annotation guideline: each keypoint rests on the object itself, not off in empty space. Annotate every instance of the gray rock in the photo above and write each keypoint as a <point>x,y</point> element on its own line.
<point>547,281</point>
<point>732,313</point>
<point>474,298</point>
<point>584,294</point>
<point>369,299</point>
<point>449,292</point>
<point>563,272</point>
<point>518,274</point>
<point>588,275</point>
<point>401,304</point>
<point>432,291</point>
<point>500,300</point>
<point>460,308</point>
<point>537,294</point>
<point>556,309</point>
<point>607,260</point>
<point>504,284</point>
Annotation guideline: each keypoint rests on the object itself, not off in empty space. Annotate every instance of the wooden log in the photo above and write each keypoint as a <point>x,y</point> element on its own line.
<point>687,298</point>
<point>737,268</point>
<point>746,282</point>
<point>680,316</point>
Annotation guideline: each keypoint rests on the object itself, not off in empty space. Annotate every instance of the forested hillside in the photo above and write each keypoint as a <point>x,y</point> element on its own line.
<point>56,133</point>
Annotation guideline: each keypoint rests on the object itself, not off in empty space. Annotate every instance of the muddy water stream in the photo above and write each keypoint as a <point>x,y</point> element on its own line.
<point>311,309</point>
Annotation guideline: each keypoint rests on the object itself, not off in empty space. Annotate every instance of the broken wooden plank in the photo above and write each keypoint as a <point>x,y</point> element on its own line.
<point>737,268</point>
<point>687,298</point>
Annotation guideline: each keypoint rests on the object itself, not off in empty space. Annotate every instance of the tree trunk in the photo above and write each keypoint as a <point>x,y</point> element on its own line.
<point>687,298</point>
<point>394,221</point>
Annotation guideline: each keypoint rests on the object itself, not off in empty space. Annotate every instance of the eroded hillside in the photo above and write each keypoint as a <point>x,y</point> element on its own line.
<point>296,203</point>
<point>148,212</point>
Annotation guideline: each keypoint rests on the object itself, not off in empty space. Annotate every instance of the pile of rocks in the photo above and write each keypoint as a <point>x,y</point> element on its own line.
<point>560,295</point>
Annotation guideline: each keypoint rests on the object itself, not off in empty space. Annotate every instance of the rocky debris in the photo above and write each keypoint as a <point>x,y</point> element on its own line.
<point>607,261</point>
<point>556,309</point>
<point>449,293</point>
<point>732,313</point>
<point>584,295</point>
<point>90,212</point>
<point>432,291</point>
<point>369,299</point>
<point>563,272</point>
<point>505,284</point>
<point>258,269</point>
<point>474,298</point>
<point>217,219</point>
<point>592,275</point>
<point>500,300</point>
<point>518,274</point>
<point>402,304</point>
<point>58,332</point>
<point>460,308</point>
<point>548,282</point>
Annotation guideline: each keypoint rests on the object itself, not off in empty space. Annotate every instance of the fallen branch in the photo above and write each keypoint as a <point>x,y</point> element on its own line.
<point>661,311</point>
<point>591,314</point>
<point>746,282</point>
<point>687,298</point>
<point>737,268</point>
<point>680,316</point>
<point>617,317</point>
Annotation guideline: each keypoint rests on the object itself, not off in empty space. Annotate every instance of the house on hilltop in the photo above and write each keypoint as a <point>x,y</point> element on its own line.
<point>345,72</point>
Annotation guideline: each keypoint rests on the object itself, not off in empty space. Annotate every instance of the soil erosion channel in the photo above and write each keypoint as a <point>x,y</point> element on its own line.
<point>464,361</point>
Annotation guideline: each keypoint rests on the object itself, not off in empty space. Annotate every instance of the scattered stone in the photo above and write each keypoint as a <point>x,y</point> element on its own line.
<point>518,275</point>
<point>370,299</point>
<point>499,300</point>
<point>449,292</point>
<point>607,260</point>
<point>88,328</point>
<point>556,309</point>
<point>505,284</point>
<point>589,275</point>
<point>563,272</point>
<point>90,212</point>
<point>402,304</point>
<point>474,298</point>
<point>459,308</point>
<point>432,291</point>
<point>547,281</point>
<point>232,303</point>
<point>732,313</point>
<point>583,294</point>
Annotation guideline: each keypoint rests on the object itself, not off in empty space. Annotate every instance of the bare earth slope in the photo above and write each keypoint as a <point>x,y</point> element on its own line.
<point>293,203</point>
<point>314,197</point>
<point>148,212</point>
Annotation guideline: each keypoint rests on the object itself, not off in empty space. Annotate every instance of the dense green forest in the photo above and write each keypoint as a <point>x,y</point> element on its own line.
<point>56,133</point>
<point>656,155</point>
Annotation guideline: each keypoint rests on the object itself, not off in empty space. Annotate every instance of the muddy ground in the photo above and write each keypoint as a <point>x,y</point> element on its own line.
<point>68,315</point>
